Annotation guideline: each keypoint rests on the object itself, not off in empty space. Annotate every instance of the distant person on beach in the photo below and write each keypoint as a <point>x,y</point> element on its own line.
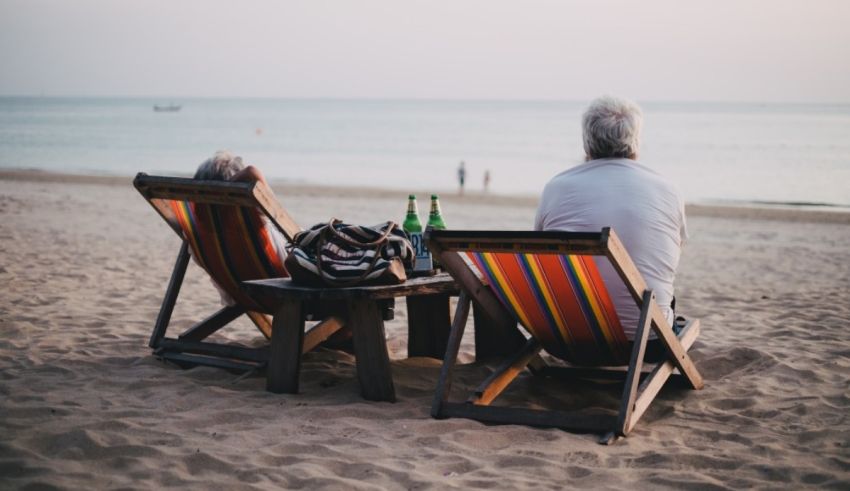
<point>461,176</point>
<point>612,189</point>
<point>486,180</point>
<point>224,166</point>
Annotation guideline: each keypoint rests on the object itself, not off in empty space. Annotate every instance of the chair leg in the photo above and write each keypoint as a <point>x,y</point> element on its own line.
<point>678,355</point>
<point>164,316</point>
<point>321,332</point>
<point>263,323</point>
<point>530,417</point>
<point>650,387</point>
<point>211,324</point>
<point>496,383</point>
<point>444,383</point>
<point>642,397</point>
<point>230,351</point>
<point>635,365</point>
<point>185,360</point>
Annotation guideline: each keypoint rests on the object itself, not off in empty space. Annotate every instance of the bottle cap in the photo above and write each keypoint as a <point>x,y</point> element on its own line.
<point>412,196</point>
<point>434,196</point>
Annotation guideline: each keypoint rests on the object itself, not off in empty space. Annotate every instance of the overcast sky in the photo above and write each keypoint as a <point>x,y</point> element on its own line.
<point>727,50</point>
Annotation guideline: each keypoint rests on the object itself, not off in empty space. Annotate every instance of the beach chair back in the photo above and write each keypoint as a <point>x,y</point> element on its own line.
<point>550,283</point>
<point>224,224</point>
<point>561,300</point>
<point>231,243</point>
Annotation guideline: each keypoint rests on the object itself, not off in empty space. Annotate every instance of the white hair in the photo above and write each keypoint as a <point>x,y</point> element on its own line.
<point>612,129</point>
<point>220,167</point>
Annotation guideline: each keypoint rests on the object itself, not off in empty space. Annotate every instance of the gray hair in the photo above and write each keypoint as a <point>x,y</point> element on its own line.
<point>612,129</point>
<point>220,167</point>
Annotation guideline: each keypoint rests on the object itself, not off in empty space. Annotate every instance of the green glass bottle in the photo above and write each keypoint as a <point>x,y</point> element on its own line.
<point>411,221</point>
<point>435,221</point>
<point>435,218</point>
<point>413,227</point>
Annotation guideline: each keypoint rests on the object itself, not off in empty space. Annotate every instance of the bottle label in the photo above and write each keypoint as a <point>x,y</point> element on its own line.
<point>423,255</point>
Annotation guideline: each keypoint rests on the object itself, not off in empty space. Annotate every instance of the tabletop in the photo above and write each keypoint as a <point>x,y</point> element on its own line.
<point>284,287</point>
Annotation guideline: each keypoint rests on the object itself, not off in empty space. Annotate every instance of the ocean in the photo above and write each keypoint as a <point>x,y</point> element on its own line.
<point>792,154</point>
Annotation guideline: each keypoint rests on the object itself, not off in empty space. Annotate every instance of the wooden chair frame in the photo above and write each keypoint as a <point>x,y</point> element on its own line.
<point>189,348</point>
<point>640,387</point>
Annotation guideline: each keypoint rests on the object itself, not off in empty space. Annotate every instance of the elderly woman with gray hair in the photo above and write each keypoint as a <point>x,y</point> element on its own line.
<point>225,166</point>
<point>612,189</point>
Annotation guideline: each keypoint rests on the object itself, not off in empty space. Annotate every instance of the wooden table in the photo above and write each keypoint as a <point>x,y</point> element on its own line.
<point>362,308</point>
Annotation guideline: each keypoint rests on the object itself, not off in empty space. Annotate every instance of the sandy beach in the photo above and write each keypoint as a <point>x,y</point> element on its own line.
<point>84,262</point>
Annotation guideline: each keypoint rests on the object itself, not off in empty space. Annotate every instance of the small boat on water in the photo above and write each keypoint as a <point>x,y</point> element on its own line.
<point>171,108</point>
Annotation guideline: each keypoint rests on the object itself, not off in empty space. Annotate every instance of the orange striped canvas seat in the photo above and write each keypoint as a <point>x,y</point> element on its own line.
<point>232,243</point>
<point>561,300</point>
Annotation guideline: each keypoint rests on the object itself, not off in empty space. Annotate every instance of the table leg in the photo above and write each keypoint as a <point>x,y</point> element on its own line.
<point>285,349</point>
<point>370,350</point>
<point>495,337</point>
<point>428,325</point>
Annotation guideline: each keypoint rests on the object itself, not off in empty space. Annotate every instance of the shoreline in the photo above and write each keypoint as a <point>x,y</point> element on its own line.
<point>756,210</point>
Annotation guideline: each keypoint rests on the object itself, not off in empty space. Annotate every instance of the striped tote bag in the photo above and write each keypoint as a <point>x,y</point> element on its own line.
<point>337,254</point>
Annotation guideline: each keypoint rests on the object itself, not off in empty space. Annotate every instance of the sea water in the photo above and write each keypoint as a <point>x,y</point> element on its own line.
<point>729,152</point>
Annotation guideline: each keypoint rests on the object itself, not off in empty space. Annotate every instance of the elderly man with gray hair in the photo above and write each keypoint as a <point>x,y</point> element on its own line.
<point>612,189</point>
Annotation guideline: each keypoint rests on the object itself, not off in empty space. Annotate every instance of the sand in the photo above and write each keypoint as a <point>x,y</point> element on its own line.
<point>84,262</point>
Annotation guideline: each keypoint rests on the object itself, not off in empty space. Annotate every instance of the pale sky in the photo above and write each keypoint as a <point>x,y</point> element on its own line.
<point>723,50</point>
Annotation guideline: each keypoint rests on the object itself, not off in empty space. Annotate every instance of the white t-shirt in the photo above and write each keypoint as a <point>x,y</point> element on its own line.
<point>646,212</point>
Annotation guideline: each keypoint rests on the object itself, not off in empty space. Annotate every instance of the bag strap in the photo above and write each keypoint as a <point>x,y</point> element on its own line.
<point>376,245</point>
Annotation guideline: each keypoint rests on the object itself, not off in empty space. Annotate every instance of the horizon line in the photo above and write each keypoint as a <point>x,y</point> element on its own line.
<point>173,98</point>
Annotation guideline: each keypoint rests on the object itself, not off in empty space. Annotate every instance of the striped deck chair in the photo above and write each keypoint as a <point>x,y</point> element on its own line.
<point>221,223</point>
<point>549,283</point>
